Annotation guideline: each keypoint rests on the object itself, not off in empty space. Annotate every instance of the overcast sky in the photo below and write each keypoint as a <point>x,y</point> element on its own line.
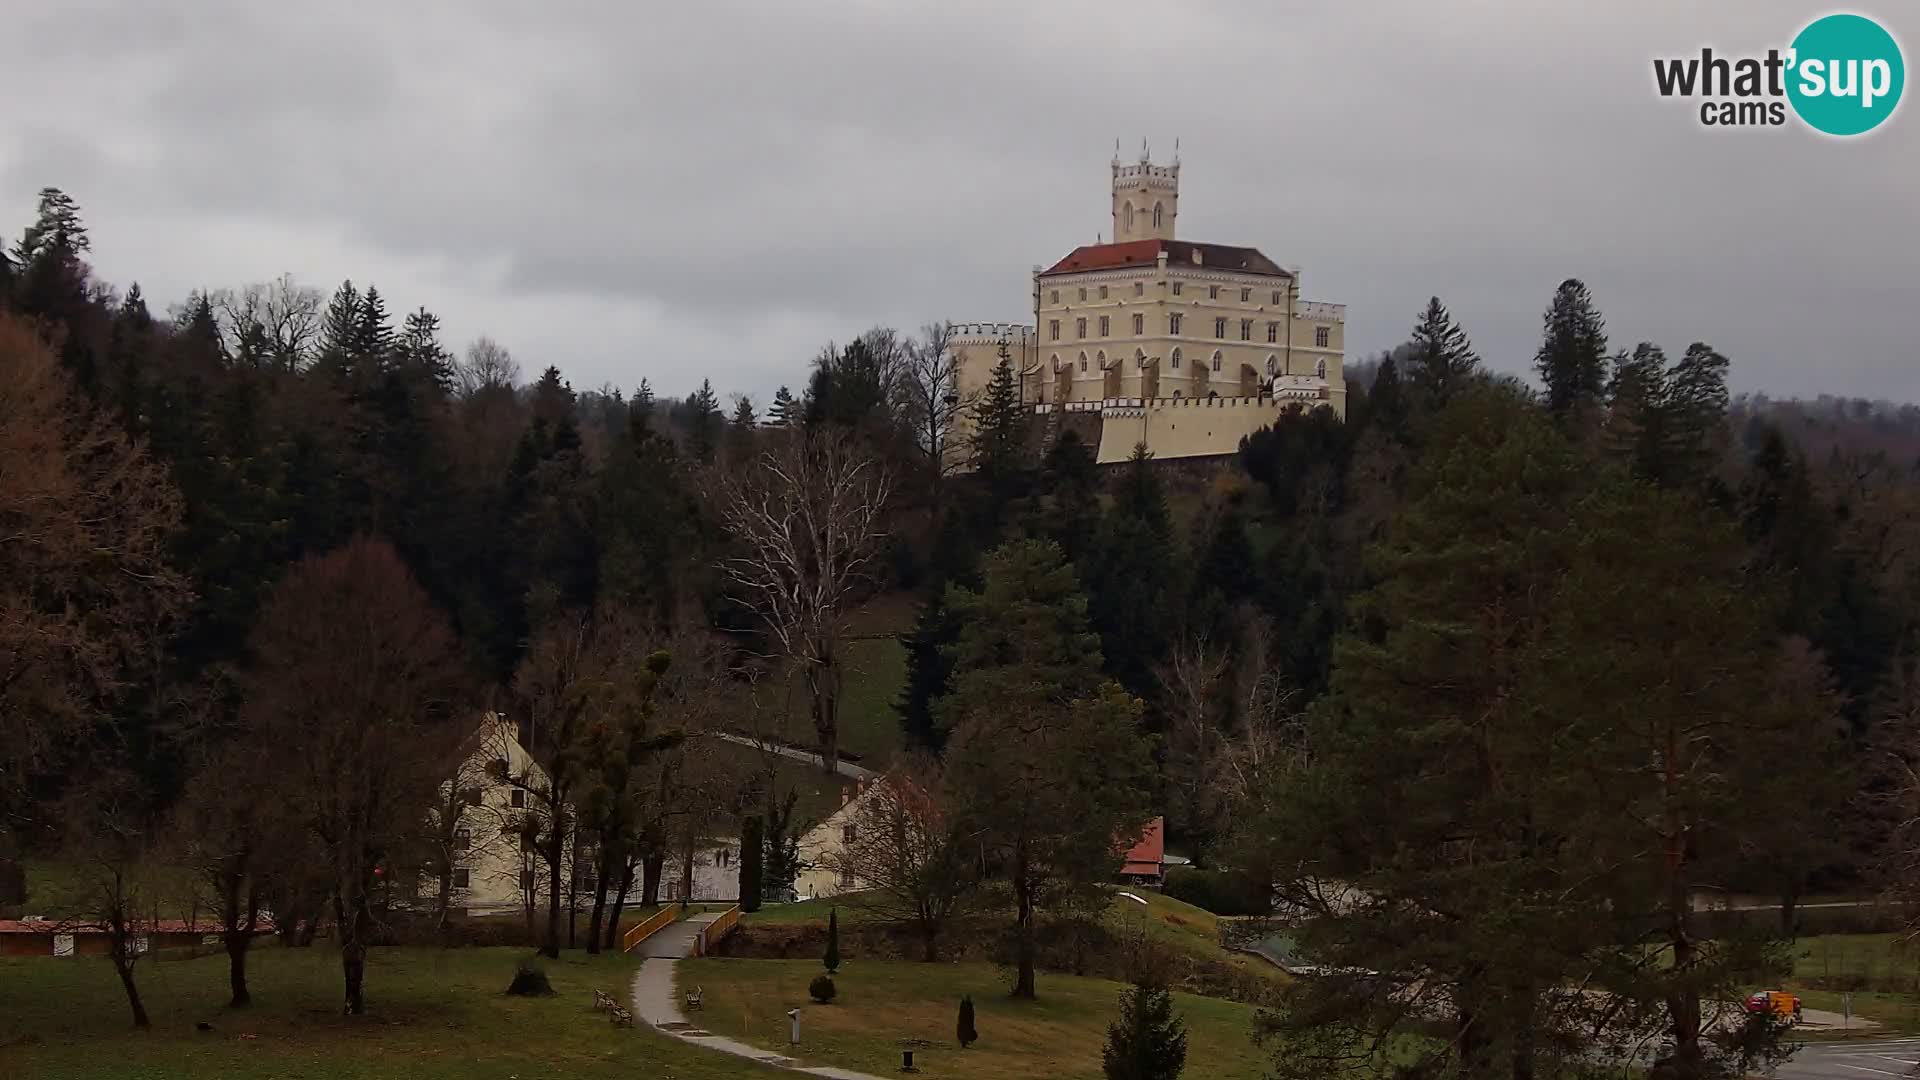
<point>717,188</point>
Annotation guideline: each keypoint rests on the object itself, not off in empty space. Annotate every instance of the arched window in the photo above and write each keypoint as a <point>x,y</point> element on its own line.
<point>1176,393</point>
<point>1100,358</point>
<point>1176,359</point>
<point>1139,360</point>
<point>1273,366</point>
<point>1056,362</point>
<point>1156,215</point>
<point>1216,360</point>
<point>1126,216</point>
<point>1320,370</point>
<point>1083,361</point>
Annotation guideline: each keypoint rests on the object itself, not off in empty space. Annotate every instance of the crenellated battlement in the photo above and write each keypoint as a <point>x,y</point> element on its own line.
<point>974,333</point>
<point>1315,309</point>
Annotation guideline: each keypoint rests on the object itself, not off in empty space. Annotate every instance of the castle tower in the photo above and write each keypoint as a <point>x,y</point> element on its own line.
<point>1146,197</point>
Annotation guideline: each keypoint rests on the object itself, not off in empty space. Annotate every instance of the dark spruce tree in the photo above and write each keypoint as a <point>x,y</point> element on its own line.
<point>1000,442</point>
<point>752,858</point>
<point>703,423</point>
<point>1440,359</point>
<point>963,1029</point>
<point>1133,575</point>
<point>1572,360</point>
<point>784,410</point>
<point>1147,1041</point>
<point>928,671</point>
<point>831,961</point>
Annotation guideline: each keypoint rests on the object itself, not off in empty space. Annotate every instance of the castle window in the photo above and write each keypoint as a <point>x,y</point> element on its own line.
<point>1176,288</point>
<point>1083,292</point>
<point>1083,361</point>
<point>1216,360</point>
<point>518,797</point>
<point>1156,215</point>
<point>1055,297</point>
<point>1103,325</point>
<point>1053,327</point>
<point>1139,288</point>
<point>1273,332</point>
<point>1246,295</point>
<point>1127,216</point>
<point>1173,323</point>
<point>1246,329</point>
<point>1273,366</point>
<point>460,877</point>
<point>1276,297</point>
<point>1213,292</point>
<point>1320,335</point>
<point>1220,327</point>
<point>1080,327</point>
<point>1139,324</point>
<point>1139,360</point>
<point>1176,359</point>
<point>462,839</point>
<point>1320,369</point>
<point>1103,292</point>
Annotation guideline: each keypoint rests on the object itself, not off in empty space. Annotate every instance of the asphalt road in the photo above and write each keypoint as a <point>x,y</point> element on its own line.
<point>1866,1059</point>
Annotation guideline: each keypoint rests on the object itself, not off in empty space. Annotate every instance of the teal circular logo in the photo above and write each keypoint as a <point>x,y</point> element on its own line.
<point>1846,74</point>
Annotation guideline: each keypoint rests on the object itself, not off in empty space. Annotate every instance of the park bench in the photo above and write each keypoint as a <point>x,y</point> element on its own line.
<point>693,999</point>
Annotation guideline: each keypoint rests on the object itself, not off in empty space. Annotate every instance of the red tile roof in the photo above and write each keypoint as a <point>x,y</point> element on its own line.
<point>1179,253</point>
<point>1148,853</point>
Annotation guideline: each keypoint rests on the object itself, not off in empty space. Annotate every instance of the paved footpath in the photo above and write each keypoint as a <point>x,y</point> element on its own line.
<point>657,1001</point>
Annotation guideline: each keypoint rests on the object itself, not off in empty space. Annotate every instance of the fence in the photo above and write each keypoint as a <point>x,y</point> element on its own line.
<point>643,930</point>
<point>716,931</point>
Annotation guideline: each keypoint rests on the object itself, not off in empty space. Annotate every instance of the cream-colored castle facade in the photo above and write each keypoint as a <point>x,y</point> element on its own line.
<point>1184,346</point>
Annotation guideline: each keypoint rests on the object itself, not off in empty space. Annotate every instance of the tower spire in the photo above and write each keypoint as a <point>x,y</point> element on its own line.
<point>1143,148</point>
<point>1176,149</point>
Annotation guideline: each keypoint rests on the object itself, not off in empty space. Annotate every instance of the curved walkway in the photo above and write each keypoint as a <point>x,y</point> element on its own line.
<point>657,1001</point>
<point>844,768</point>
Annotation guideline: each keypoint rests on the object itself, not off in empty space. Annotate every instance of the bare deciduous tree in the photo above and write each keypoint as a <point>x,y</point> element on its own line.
<point>358,684</point>
<point>907,852</point>
<point>278,318</point>
<point>929,389</point>
<point>488,366</point>
<point>110,842</point>
<point>806,515</point>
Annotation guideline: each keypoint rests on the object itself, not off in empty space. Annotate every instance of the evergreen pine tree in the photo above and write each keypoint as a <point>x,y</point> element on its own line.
<point>1572,360</point>
<point>752,860</point>
<point>782,413</point>
<point>831,961</point>
<point>1147,1042</point>
<point>703,422</point>
<point>373,331</point>
<point>1133,573</point>
<point>963,1030</point>
<point>1441,358</point>
<point>928,671</point>
<point>420,353</point>
<point>743,418</point>
<point>340,326</point>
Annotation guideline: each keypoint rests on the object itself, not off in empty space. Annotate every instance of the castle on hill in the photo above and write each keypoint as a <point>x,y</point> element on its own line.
<point>1185,346</point>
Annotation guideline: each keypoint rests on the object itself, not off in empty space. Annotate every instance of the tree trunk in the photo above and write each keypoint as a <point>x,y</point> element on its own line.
<point>823,685</point>
<point>1023,929</point>
<point>686,873</point>
<point>237,943</point>
<point>600,875</point>
<point>1789,912</point>
<point>620,901</point>
<point>553,855</point>
<point>123,967</point>
<point>929,941</point>
<point>443,896</point>
<point>352,917</point>
<point>650,870</point>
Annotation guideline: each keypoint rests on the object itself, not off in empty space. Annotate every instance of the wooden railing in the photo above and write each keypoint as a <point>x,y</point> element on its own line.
<point>641,931</point>
<point>716,931</point>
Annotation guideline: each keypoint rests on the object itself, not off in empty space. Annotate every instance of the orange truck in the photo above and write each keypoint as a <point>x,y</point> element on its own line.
<point>1780,1003</point>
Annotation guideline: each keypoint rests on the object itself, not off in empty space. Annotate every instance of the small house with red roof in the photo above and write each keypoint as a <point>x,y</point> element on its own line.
<point>1145,862</point>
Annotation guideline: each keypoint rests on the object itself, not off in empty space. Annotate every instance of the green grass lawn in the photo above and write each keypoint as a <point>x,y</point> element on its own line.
<point>879,1004</point>
<point>432,1015</point>
<point>1884,973</point>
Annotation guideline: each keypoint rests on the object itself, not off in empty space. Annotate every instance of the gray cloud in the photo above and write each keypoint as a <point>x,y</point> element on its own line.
<point>689,191</point>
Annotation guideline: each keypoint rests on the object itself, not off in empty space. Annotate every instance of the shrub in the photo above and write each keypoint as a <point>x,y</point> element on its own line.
<point>821,989</point>
<point>530,980</point>
<point>1147,1042</point>
<point>1223,892</point>
<point>832,959</point>
<point>963,1030</point>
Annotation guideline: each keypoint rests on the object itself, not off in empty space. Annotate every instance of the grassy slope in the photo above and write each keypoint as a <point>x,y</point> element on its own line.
<point>879,1004</point>
<point>1878,959</point>
<point>434,1015</point>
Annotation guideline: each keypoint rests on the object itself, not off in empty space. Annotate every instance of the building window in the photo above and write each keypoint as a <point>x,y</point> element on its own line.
<point>1246,295</point>
<point>1083,292</point>
<point>1320,369</point>
<point>460,877</point>
<point>1276,297</point>
<point>473,796</point>
<point>1176,359</point>
<point>1156,215</point>
<point>846,879</point>
<point>1213,292</point>
<point>1216,361</point>
<point>1127,217</point>
<point>1273,332</point>
<point>1053,328</point>
<point>1104,321</point>
<point>1220,327</point>
<point>1080,327</point>
<point>1055,297</point>
<point>1320,335</point>
<point>1176,288</point>
<point>518,797</point>
<point>1246,329</point>
<point>1139,288</point>
<point>848,833</point>
<point>1273,366</point>
<point>1173,323</point>
<point>1103,292</point>
<point>1083,362</point>
<point>1139,324</point>
<point>462,839</point>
